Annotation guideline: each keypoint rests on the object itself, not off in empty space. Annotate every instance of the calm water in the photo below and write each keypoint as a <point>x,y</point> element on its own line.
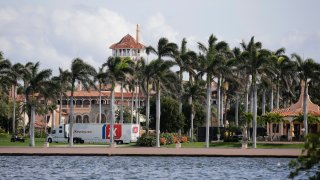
<point>86,167</point>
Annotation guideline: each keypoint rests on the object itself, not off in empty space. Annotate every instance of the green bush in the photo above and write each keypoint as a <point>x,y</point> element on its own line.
<point>147,140</point>
<point>168,137</point>
<point>231,139</point>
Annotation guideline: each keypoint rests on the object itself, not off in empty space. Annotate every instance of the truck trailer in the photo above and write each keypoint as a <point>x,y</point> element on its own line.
<point>95,133</point>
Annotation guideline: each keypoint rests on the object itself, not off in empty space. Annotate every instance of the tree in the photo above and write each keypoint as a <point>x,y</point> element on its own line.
<point>310,161</point>
<point>171,119</point>
<point>209,59</point>
<point>101,79</point>
<point>161,75</point>
<point>117,70</point>
<point>255,57</point>
<point>36,82</point>
<point>163,78</point>
<point>83,73</point>
<point>307,70</point>
<point>15,75</point>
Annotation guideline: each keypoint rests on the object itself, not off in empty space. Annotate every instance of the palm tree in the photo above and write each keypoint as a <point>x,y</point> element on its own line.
<point>15,76</point>
<point>36,81</point>
<point>84,73</point>
<point>101,78</point>
<point>163,78</point>
<point>184,59</point>
<point>195,91</point>
<point>64,83</point>
<point>307,70</point>
<point>255,58</point>
<point>209,58</point>
<point>117,70</point>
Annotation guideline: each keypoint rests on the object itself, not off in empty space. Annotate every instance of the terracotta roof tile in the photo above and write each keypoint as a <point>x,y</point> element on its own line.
<point>127,42</point>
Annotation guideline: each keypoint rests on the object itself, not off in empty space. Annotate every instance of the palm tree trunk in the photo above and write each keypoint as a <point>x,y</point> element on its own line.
<point>139,105</point>
<point>208,115</point>
<point>112,117</point>
<point>254,122</point>
<point>100,103</point>
<point>271,99</point>
<point>221,107</point>
<point>278,95</point>
<point>121,106</point>
<point>191,118</point>
<point>247,98</point>
<point>218,103</point>
<point>180,96</point>
<point>158,114</point>
<point>32,118</point>
<point>305,110</point>
<point>14,111</point>
<point>147,109</point>
<point>263,102</point>
<point>60,108</point>
<point>132,100</point>
<point>237,110</point>
<point>53,120</point>
<point>136,106</point>
<point>71,117</point>
<point>24,116</point>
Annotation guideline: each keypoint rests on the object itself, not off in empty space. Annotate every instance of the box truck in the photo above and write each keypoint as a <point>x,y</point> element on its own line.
<point>94,133</point>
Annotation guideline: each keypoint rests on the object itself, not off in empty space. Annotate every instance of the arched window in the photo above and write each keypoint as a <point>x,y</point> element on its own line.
<point>93,102</point>
<point>85,119</point>
<point>78,119</point>
<point>103,119</point>
<point>86,103</point>
<point>78,103</point>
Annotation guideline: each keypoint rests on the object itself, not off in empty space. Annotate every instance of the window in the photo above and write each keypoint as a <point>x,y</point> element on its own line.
<point>78,119</point>
<point>85,119</point>
<point>60,131</point>
<point>53,131</point>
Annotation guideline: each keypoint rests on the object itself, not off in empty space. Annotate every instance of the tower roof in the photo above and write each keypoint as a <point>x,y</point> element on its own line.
<point>297,108</point>
<point>127,42</point>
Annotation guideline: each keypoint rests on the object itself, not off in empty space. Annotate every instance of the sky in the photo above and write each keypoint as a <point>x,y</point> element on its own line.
<point>56,32</point>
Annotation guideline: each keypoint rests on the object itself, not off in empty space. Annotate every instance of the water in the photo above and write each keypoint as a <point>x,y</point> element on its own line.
<point>120,167</point>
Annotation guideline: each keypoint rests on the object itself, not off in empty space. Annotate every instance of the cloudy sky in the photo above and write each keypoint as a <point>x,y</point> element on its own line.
<point>56,32</point>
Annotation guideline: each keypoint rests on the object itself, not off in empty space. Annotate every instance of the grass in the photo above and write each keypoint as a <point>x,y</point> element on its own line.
<point>39,142</point>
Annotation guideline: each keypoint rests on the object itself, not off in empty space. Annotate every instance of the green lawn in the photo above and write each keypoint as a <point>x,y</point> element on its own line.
<point>5,142</point>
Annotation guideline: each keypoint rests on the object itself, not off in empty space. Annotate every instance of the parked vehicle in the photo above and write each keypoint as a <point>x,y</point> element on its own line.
<point>93,133</point>
<point>16,138</point>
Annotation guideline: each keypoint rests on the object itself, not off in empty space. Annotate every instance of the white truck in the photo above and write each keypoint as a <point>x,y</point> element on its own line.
<point>94,133</point>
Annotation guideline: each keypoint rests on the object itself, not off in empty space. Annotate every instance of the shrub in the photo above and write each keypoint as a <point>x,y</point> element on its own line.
<point>168,137</point>
<point>163,141</point>
<point>147,140</point>
<point>231,139</point>
<point>184,139</point>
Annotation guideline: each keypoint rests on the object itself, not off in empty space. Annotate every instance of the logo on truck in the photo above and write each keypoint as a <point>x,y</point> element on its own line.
<point>117,131</point>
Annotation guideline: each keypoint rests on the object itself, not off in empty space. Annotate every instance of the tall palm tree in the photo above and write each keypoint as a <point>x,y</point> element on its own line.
<point>117,70</point>
<point>163,78</point>
<point>15,76</point>
<point>83,72</point>
<point>255,57</point>
<point>210,57</point>
<point>36,81</point>
<point>307,70</point>
<point>101,78</point>
<point>64,82</point>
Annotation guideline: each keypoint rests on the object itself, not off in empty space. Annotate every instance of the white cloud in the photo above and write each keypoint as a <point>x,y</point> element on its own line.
<point>157,27</point>
<point>55,37</point>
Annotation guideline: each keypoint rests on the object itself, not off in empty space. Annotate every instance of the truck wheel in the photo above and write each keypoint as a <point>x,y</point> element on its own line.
<point>49,140</point>
<point>81,141</point>
<point>75,140</point>
<point>121,142</point>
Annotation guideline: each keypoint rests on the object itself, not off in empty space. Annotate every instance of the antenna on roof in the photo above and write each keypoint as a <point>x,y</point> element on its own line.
<point>138,33</point>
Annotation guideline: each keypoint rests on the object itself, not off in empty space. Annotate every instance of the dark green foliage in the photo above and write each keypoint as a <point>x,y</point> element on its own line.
<point>171,120</point>
<point>147,139</point>
<point>168,137</point>
<point>199,118</point>
<point>310,162</point>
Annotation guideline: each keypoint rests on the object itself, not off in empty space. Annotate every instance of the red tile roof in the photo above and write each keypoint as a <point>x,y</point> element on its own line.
<point>127,42</point>
<point>297,108</point>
